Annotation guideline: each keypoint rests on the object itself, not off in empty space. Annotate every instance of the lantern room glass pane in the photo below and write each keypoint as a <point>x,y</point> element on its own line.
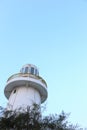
<point>26,70</point>
<point>22,70</point>
<point>32,70</point>
<point>35,71</point>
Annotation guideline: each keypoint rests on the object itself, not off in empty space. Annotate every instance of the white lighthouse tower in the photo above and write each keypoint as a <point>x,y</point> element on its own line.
<point>25,88</point>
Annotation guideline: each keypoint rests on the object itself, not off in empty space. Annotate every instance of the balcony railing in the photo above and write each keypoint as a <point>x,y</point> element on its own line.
<point>27,75</point>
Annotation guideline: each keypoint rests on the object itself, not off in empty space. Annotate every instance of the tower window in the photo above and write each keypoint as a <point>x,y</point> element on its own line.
<point>14,91</point>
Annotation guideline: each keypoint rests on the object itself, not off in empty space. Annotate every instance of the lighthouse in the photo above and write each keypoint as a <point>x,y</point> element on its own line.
<point>25,88</point>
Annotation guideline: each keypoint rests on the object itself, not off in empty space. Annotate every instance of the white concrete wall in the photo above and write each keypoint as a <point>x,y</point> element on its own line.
<point>23,97</point>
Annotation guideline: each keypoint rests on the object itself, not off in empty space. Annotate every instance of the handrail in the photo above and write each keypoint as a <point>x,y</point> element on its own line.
<point>27,75</point>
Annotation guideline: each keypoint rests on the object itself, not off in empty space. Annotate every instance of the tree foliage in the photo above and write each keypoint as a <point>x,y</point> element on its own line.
<point>31,119</point>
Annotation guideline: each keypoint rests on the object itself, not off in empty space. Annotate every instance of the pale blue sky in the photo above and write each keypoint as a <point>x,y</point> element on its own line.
<point>52,34</point>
